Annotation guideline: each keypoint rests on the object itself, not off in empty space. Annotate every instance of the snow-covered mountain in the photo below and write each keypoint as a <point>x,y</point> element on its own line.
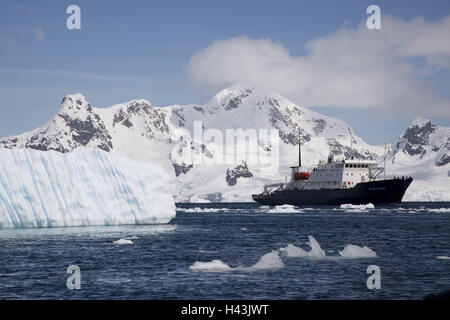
<point>423,152</point>
<point>228,170</point>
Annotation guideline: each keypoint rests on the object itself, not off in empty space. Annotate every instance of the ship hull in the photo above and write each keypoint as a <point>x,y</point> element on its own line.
<point>389,191</point>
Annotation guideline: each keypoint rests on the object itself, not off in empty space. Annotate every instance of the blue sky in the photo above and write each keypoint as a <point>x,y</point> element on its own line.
<point>141,49</point>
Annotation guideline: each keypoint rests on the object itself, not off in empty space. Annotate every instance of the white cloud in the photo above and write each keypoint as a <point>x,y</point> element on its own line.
<point>351,68</point>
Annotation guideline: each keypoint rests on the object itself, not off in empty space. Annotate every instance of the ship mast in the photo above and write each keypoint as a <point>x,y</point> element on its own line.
<point>299,148</point>
<point>384,169</point>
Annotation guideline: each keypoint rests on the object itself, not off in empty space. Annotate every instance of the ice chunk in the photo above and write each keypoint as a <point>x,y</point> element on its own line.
<point>269,261</point>
<point>215,265</point>
<point>82,188</point>
<point>354,251</point>
<point>316,251</point>
<point>357,206</point>
<point>286,208</point>
<point>443,210</point>
<point>123,241</point>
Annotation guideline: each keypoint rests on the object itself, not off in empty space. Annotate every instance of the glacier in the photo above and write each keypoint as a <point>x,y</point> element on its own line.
<point>84,187</point>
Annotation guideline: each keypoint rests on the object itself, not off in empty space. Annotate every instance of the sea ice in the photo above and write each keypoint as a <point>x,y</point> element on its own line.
<point>269,261</point>
<point>123,241</point>
<point>316,251</point>
<point>354,251</point>
<point>214,265</point>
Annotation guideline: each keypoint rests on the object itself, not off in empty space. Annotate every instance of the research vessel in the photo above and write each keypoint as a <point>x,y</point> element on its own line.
<point>335,182</point>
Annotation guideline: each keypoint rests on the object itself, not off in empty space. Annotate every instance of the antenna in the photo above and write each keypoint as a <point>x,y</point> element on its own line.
<point>299,148</point>
<point>335,147</point>
<point>384,169</point>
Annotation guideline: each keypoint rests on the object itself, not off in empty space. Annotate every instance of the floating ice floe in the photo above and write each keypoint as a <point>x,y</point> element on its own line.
<point>357,206</point>
<point>269,261</point>
<point>443,257</point>
<point>316,251</point>
<point>215,265</point>
<point>273,261</point>
<point>446,210</point>
<point>353,251</point>
<point>286,208</point>
<point>199,210</point>
<point>122,241</point>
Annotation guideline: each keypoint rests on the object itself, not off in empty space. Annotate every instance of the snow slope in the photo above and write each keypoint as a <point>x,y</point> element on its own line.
<point>166,136</point>
<point>82,188</point>
<point>422,152</point>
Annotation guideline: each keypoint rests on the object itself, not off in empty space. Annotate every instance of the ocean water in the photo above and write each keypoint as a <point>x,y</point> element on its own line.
<point>232,251</point>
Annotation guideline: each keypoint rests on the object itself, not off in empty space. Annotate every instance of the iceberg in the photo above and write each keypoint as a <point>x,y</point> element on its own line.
<point>85,187</point>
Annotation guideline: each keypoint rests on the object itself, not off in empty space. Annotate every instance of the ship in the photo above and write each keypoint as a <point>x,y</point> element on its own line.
<point>335,182</point>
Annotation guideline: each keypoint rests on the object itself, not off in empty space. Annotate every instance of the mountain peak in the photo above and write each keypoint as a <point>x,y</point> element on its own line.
<point>419,122</point>
<point>74,104</point>
<point>231,97</point>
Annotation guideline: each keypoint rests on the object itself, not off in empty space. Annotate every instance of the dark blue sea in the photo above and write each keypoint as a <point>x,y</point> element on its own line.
<point>409,243</point>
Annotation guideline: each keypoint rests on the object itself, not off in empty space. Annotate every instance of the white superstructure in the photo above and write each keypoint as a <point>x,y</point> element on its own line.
<point>335,174</point>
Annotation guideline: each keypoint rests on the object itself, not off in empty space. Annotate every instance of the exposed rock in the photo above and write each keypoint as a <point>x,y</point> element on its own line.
<point>416,137</point>
<point>320,124</point>
<point>183,168</point>
<point>236,101</point>
<point>240,171</point>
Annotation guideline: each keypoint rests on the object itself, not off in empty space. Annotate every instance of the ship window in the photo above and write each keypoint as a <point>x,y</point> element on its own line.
<point>346,165</point>
<point>359,166</point>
